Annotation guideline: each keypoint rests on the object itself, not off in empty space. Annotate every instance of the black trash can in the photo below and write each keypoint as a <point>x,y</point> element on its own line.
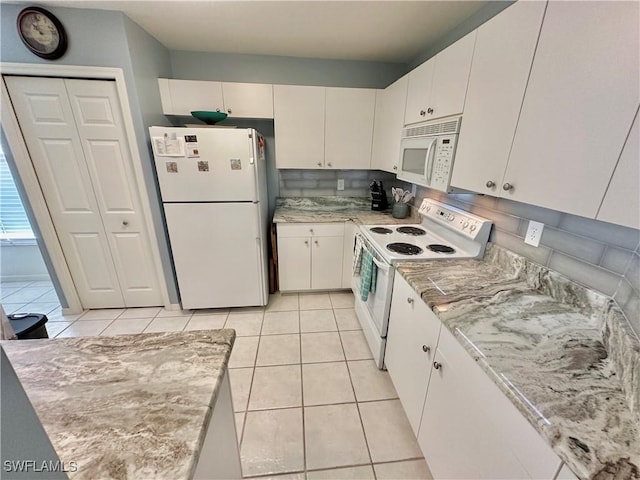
<point>28,325</point>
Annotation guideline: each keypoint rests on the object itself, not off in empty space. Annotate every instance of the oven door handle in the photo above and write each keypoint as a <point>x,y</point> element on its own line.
<point>381,266</point>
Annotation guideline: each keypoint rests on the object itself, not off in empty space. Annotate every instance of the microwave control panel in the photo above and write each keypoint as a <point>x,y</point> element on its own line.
<point>443,162</point>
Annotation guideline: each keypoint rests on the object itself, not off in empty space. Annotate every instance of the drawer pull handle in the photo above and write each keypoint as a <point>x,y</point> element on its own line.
<point>409,300</point>
<point>426,349</point>
<point>437,365</point>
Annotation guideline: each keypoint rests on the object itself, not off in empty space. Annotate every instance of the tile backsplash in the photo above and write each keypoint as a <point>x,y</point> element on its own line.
<point>319,183</point>
<point>598,255</point>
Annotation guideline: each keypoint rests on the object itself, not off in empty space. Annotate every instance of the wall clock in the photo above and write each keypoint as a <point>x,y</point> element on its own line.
<point>42,33</point>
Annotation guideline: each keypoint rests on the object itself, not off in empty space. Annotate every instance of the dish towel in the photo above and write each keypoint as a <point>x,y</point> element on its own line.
<point>368,274</point>
<point>357,255</point>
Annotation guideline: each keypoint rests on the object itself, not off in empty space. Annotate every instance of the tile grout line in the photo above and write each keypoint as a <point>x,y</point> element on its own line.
<point>304,430</point>
<point>364,433</point>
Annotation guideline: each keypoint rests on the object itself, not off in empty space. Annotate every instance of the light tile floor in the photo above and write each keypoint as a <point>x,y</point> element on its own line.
<point>308,398</point>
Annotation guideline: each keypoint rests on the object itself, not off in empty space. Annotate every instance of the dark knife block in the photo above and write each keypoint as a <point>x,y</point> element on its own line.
<point>379,201</point>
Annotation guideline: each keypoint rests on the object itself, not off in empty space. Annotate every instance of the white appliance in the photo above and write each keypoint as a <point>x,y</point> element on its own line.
<point>445,232</point>
<point>427,152</point>
<point>214,193</point>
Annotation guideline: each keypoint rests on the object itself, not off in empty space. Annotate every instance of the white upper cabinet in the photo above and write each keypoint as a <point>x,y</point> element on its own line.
<point>244,100</point>
<point>501,64</point>
<point>419,96</point>
<point>621,204</point>
<point>248,100</point>
<point>437,88</point>
<point>298,113</point>
<point>349,127</point>
<point>580,102</point>
<point>388,123</point>
<point>181,97</point>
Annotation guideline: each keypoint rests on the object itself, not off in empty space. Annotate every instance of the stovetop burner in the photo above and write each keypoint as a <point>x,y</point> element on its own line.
<point>381,230</point>
<point>404,248</point>
<point>436,247</point>
<point>411,231</point>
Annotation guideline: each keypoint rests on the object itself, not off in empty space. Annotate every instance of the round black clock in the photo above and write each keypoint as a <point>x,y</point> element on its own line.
<point>42,33</point>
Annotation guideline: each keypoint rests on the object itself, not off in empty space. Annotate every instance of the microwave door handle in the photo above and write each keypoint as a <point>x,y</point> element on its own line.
<point>428,169</point>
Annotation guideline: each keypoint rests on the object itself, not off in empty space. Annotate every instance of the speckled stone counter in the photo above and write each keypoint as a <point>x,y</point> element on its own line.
<point>127,406</point>
<point>334,209</point>
<point>564,355</point>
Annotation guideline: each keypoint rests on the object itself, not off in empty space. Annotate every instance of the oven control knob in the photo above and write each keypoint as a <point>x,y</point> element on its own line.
<point>472,228</point>
<point>451,217</point>
<point>465,224</point>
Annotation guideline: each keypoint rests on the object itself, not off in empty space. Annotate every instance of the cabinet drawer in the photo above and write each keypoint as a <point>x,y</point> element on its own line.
<point>311,230</point>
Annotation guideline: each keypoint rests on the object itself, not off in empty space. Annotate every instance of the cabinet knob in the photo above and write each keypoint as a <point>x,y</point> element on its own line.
<point>306,242</point>
<point>329,165</point>
<point>422,113</point>
<point>229,111</point>
<point>395,167</point>
<point>437,365</point>
<point>507,186</point>
<point>426,349</point>
<point>218,110</point>
<point>316,242</point>
<point>430,111</point>
<point>491,184</point>
<point>125,223</point>
<point>409,300</point>
<point>319,164</point>
<point>311,230</point>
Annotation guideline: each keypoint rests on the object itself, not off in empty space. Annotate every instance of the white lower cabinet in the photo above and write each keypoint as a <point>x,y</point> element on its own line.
<point>310,256</point>
<point>411,344</point>
<point>350,230</point>
<point>466,426</point>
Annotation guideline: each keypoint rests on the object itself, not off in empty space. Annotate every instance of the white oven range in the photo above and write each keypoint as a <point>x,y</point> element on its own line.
<point>445,232</point>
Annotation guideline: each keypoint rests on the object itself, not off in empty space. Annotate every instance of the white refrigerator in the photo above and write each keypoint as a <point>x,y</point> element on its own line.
<point>214,193</point>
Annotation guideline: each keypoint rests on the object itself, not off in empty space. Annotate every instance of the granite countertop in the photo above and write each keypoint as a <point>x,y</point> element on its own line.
<point>564,355</point>
<point>127,406</point>
<point>334,209</point>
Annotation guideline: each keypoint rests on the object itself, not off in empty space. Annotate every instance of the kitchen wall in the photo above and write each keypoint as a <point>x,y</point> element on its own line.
<point>598,255</point>
<point>228,67</point>
<point>109,39</point>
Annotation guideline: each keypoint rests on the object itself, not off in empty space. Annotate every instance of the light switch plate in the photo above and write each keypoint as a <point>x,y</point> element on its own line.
<point>534,233</point>
<point>341,184</point>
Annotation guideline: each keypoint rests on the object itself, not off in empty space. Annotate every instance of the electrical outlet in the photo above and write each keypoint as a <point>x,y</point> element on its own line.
<point>341,184</point>
<point>534,232</point>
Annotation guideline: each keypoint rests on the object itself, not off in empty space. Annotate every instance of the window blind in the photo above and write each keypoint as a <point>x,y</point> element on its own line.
<point>14,224</point>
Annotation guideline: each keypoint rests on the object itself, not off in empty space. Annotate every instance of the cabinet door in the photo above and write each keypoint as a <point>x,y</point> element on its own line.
<point>298,113</point>
<point>621,203</point>
<point>349,127</point>
<point>450,78</point>
<point>456,437</point>
<point>411,344</point>
<point>248,100</point>
<point>581,98</point>
<point>388,123</point>
<point>294,263</point>
<point>181,97</point>
<point>326,262</point>
<point>501,63</point>
<point>419,96</point>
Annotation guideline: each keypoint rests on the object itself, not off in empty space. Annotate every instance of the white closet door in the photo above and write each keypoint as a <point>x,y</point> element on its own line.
<point>100,126</point>
<point>47,123</point>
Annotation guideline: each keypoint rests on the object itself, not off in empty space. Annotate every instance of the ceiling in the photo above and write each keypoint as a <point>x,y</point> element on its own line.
<point>385,31</point>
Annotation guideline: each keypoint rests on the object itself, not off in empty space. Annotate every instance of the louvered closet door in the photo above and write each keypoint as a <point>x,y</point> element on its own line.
<point>83,173</point>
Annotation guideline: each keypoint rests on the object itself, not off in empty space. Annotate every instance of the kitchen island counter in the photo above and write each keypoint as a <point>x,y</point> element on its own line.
<point>564,355</point>
<point>335,209</point>
<point>126,406</point>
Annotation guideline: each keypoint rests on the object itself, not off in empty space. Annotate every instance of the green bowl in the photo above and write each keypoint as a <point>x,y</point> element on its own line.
<point>210,118</point>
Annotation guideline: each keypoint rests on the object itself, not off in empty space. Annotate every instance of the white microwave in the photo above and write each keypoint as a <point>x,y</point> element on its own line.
<point>427,152</point>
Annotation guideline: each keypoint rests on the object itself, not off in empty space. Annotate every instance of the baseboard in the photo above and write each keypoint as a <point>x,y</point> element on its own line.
<point>25,278</point>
